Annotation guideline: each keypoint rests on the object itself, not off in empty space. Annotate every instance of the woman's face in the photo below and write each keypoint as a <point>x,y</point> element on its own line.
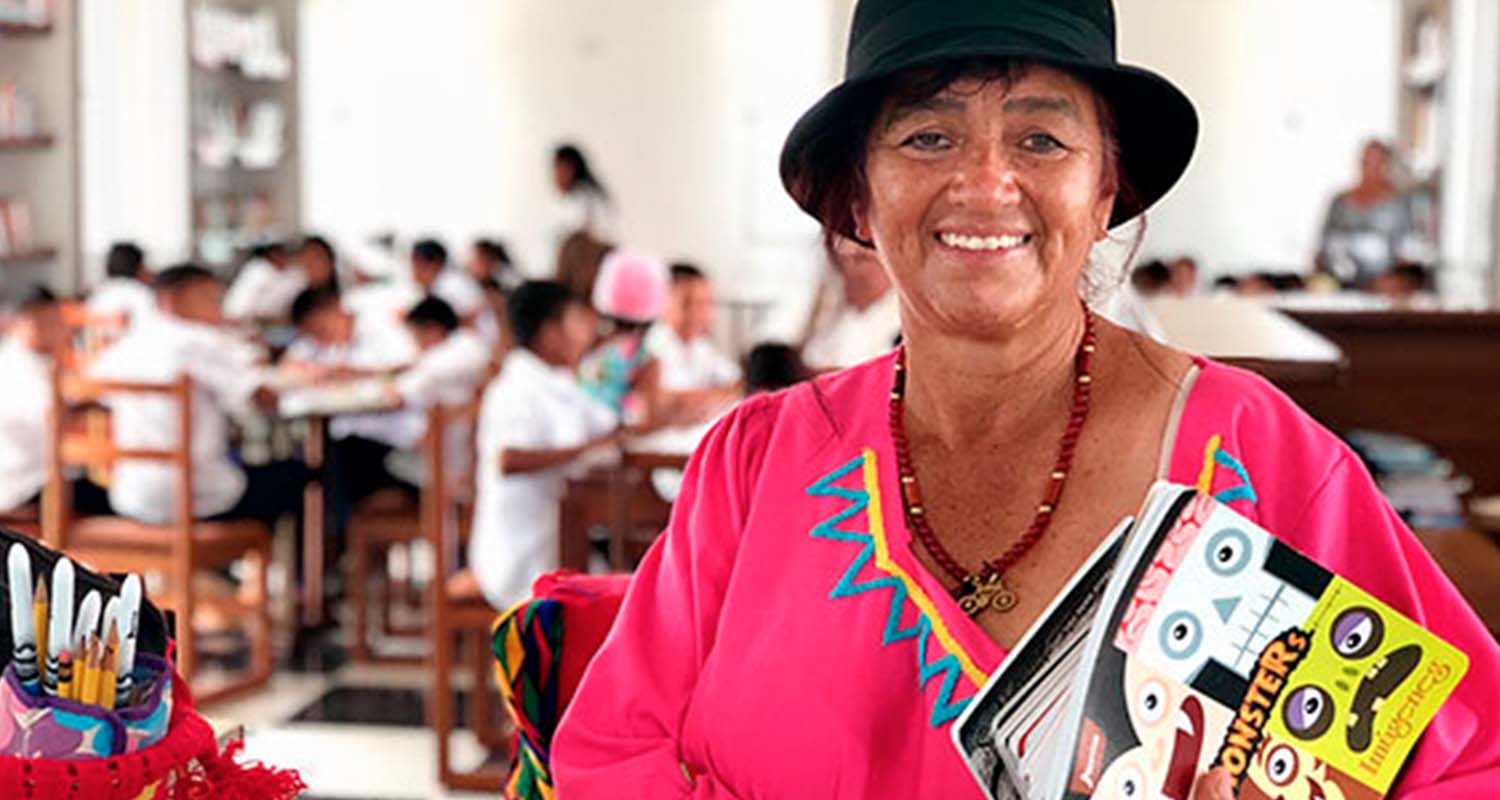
<point>563,175</point>
<point>985,200</point>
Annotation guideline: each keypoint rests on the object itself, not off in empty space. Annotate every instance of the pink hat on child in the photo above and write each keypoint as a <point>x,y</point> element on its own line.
<point>631,287</point>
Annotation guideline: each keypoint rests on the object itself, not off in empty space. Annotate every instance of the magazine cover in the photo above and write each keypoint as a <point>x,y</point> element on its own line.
<point>1228,647</point>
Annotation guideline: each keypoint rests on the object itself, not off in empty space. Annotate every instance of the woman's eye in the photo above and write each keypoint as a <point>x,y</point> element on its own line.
<point>926,140</point>
<point>1041,143</point>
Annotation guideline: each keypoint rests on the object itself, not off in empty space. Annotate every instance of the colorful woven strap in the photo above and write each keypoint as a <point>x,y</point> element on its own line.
<point>527,642</point>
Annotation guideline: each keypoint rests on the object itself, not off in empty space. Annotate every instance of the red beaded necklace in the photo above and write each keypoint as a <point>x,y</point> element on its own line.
<point>986,589</point>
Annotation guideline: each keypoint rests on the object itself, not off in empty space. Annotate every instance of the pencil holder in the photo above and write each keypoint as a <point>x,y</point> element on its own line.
<point>159,750</point>
<point>33,726</point>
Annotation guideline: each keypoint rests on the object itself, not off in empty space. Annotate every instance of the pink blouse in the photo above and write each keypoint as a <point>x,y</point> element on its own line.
<point>782,641</point>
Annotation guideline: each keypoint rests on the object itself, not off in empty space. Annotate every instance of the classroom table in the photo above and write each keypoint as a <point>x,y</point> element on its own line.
<point>1252,335</point>
<point>618,495</point>
<point>315,405</point>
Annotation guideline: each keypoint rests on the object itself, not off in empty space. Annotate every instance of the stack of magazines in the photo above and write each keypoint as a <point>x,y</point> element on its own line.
<point>1193,639</point>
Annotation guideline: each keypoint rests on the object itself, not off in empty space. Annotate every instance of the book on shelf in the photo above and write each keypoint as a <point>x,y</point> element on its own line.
<point>15,227</point>
<point>36,13</point>
<point>1192,639</point>
<point>17,112</point>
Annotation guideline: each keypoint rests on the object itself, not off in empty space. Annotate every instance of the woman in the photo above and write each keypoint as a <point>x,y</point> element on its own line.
<point>586,203</point>
<point>1370,228</point>
<point>798,630</point>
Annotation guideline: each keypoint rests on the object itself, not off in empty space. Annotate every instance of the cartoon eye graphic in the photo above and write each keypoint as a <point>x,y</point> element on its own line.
<point>1151,701</point>
<point>1131,784</point>
<point>1228,552</point>
<point>1308,712</point>
<point>1357,632</point>
<point>1281,764</point>
<point>1181,633</point>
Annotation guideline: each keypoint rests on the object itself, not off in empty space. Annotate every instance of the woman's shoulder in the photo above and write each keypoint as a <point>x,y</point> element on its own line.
<point>1241,429</point>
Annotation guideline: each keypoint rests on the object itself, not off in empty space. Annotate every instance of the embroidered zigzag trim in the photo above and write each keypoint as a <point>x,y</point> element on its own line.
<point>955,661</point>
<point>1215,456</point>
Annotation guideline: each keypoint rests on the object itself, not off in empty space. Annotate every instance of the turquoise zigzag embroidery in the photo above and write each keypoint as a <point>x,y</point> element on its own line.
<point>1245,491</point>
<point>946,709</point>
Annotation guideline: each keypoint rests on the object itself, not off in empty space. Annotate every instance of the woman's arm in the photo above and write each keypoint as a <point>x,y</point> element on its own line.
<point>620,735</point>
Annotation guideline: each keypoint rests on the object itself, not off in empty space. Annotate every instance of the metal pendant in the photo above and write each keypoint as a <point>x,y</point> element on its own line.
<point>981,592</point>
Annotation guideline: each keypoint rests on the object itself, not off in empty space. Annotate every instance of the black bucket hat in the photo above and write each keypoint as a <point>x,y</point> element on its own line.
<point>1156,125</point>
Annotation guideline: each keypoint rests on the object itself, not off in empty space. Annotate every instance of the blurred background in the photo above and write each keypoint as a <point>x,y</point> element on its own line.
<point>1336,231</point>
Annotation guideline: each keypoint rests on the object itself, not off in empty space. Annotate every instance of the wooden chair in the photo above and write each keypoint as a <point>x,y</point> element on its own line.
<point>458,615</point>
<point>80,437</point>
<point>380,524</point>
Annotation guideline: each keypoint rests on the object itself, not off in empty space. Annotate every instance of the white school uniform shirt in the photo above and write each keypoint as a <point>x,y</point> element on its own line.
<point>225,376</point>
<point>24,406</point>
<point>851,336</point>
<point>458,289</point>
<point>126,296</point>
<point>530,406</point>
<point>689,366</point>
<point>261,291</point>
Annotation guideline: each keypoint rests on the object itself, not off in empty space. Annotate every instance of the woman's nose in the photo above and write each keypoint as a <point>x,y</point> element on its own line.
<point>986,176</point>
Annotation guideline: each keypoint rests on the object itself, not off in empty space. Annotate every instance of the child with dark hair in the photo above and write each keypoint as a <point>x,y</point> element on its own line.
<point>265,286</point>
<point>125,290</point>
<point>535,421</point>
<point>696,382</point>
<point>434,275</point>
<point>187,337</point>
<point>771,367</point>
<point>489,260</point>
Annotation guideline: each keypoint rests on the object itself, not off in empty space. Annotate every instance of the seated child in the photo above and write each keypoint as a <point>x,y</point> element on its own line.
<point>697,382</point>
<point>265,286</point>
<point>126,289</point>
<point>629,293</point>
<point>187,336</point>
<point>534,423</point>
<point>32,339</point>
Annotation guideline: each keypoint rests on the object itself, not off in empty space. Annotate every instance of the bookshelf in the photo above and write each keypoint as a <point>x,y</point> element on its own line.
<point>39,186</point>
<point>244,156</point>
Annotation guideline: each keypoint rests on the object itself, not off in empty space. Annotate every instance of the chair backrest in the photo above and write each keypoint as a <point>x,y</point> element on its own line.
<point>88,333</point>
<point>81,436</point>
<point>446,497</point>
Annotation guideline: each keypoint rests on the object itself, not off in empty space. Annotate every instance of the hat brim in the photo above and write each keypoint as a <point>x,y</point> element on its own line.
<point>1156,126</point>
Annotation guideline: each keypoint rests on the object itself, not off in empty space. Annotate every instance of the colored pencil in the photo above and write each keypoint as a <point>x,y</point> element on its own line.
<point>39,619</point>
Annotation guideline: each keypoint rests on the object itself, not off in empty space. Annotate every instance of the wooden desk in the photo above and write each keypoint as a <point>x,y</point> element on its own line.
<point>620,498</point>
<point>1431,375</point>
<point>1251,335</point>
<point>316,406</point>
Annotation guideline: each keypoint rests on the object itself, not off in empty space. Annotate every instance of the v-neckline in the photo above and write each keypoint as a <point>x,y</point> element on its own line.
<point>984,651</point>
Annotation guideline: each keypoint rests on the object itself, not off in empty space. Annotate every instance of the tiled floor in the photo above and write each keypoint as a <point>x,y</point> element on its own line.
<point>355,733</point>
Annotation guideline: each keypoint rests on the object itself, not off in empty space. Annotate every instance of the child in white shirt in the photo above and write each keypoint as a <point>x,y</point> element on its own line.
<point>186,337</point>
<point>534,423</point>
<point>696,382</point>
<point>32,339</point>
<point>124,291</point>
<point>434,276</point>
<point>265,287</point>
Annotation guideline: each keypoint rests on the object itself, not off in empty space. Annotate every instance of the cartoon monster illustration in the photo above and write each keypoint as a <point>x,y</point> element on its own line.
<point>1235,589</point>
<point>1369,684</point>
<point>1279,771</point>
<point>1178,733</point>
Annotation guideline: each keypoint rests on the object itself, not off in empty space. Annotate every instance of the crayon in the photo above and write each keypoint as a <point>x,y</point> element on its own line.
<point>129,617</point>
<point>88,619</point>
<point>60,630</point>
<point>22,623</point>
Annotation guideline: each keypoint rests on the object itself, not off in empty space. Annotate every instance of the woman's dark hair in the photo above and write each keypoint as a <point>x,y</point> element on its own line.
<point>433,311</point>
<point>771,367</point>
<point>534,304</point>
<point>583,176</point>
<point>125,260</point>
<point>834,163</point>
<point>319,243</point>
<point>311,301</point>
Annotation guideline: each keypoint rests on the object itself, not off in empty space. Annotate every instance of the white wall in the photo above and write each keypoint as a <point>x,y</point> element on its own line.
<point>133,82</point>
<point>1286,90</point>
<point>444,121</point>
